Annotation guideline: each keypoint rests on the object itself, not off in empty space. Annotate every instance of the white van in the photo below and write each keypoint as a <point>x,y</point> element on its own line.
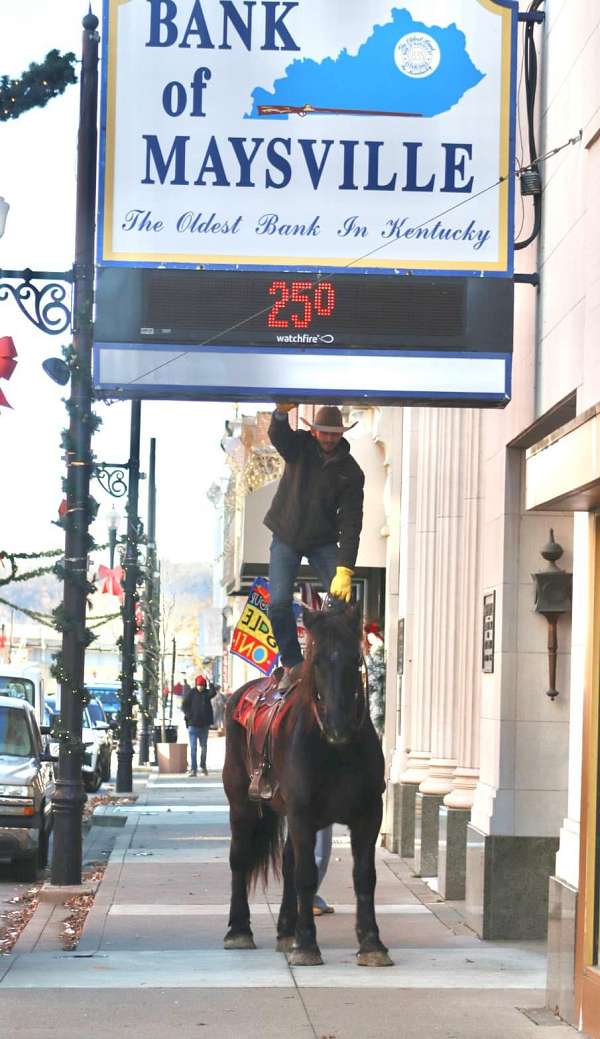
<point>24,682</point>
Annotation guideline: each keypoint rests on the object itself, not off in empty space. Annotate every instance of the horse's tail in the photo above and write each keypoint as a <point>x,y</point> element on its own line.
<point>267,846</point>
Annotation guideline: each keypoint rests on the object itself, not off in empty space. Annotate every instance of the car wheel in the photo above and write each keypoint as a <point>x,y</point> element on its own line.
<point>27,867</point>
<point>93,781</point>
<point>42,854</point>
<point>106,769</point>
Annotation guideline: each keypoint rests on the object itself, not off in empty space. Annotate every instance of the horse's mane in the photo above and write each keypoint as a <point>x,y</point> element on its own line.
<point>330,629</point>
<point>326,631</point>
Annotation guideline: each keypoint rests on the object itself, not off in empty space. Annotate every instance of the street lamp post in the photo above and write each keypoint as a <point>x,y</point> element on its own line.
<point>69,796</point>
<point>150,633</point>
<point>125,749</point>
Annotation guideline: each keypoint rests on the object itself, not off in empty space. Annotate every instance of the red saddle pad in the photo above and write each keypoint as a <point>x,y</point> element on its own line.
<point>262,709</point>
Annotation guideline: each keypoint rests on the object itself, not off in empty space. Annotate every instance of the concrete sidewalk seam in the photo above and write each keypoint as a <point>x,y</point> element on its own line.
<point>95,924</point>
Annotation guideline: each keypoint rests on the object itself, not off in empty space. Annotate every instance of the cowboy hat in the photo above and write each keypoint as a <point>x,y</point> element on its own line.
<point>329,420</point>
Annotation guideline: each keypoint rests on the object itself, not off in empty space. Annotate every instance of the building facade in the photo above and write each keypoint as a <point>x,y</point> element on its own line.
<point>493,783</point>
<point>492,789</point>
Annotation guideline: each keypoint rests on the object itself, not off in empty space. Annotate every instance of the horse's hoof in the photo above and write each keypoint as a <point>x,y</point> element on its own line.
<point>239,941</point>
<point>304,957</point>
<point>285,944</point>
<point>374,958</point>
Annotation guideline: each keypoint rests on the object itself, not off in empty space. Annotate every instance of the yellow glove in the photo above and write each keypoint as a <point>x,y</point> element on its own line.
<point>341,586</point>
<point>285,407</point>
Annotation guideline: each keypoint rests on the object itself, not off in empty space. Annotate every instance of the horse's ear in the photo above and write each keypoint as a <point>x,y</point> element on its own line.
<point>311,617</point>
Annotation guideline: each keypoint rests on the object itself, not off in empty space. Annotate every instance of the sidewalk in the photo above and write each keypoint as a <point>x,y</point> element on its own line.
<point>151,960</point>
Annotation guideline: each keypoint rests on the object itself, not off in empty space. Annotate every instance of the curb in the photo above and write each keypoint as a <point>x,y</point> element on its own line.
<point>43,929</point>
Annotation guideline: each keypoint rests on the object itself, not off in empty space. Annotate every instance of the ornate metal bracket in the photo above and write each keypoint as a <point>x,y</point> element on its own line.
<point>48,306</point>
<point>111,477</point>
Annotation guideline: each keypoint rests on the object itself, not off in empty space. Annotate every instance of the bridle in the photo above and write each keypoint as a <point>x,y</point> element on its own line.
<point>327,603</point>
<point>362,686</point>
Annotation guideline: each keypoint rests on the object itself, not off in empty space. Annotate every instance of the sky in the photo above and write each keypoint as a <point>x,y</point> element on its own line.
<point>37,178</point>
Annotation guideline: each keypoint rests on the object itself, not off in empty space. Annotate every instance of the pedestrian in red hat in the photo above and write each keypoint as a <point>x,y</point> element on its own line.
<point>198,713</point>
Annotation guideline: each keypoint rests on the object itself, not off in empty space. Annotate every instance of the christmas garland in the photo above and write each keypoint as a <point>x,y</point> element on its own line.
<point>38,85</point>
<point>54,568</point>
<point>48,620</point>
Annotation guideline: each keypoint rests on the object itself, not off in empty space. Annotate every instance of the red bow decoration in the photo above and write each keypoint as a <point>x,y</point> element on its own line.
<point>7,364</point>
<point>139,622</point>
<point>111,580</point>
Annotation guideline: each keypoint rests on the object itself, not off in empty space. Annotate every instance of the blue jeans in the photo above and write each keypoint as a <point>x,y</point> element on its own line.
<point>284,564</point>
<point>200,733</point>
<point>323,844</point>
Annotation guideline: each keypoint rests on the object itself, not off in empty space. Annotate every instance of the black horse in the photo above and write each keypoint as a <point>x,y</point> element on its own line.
<point>327,766</point>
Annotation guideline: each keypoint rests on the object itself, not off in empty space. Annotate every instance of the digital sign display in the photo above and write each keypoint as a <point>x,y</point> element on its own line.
<point>259,309</point>
<point>256,335</point>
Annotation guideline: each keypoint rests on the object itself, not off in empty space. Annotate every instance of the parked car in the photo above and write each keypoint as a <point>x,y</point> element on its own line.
<point>25,682</point>
<point>96,725</point>
<point>26,788</point>
<point>108,695</point>
<point>96,735</point>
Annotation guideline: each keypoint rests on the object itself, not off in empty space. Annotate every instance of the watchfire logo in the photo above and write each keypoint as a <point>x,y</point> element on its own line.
<point>302,337</point>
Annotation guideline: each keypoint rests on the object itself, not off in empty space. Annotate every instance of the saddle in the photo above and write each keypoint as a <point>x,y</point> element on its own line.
<point>261,711</point>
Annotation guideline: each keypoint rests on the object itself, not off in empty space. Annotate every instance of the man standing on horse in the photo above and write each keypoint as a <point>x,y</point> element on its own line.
<point>316,512</point>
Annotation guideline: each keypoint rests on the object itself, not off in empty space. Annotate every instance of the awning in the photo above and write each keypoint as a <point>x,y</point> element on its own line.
<point>562,471</point>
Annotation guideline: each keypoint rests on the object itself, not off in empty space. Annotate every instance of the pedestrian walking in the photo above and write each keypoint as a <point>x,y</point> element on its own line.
<point>198,713</point>
<point>219,708</point>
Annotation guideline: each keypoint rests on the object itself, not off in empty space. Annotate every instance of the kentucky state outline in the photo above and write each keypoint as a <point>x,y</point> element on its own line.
<point>371,79</point>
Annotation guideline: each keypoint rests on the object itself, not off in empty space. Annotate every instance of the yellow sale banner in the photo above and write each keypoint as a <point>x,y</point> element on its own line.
<point>253,639</point>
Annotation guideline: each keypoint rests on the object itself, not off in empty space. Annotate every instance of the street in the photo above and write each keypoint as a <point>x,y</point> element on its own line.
<point>158,922</point>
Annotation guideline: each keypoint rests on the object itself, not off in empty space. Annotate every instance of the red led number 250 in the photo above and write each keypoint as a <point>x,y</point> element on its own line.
<point>299,302</point>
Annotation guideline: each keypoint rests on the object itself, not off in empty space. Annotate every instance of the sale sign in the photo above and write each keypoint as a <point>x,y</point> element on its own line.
<point>253,638</point>
<point>304,134</point>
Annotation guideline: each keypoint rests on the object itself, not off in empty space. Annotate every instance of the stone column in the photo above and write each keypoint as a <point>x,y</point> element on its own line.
<point>388,432</point>
<point>449,568</point>
<point>456,809</point>
<point>417,679</point>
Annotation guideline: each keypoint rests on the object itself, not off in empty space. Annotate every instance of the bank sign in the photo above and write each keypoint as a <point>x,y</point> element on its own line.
<point>329,135</point>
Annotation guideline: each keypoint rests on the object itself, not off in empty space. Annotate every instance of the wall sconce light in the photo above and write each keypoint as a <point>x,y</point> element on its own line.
<point>4,208</point>
<point>553,596</point>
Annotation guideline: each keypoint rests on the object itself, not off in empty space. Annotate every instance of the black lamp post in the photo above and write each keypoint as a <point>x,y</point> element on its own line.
<point>150,666</point>
<point>125,750</point>
<point>69,796</point>
<point>553,595</point>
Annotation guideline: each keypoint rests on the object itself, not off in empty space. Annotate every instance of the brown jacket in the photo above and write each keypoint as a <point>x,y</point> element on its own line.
<point>319,500</point>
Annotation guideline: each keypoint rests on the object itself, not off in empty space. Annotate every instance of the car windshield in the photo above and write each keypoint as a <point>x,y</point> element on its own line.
<point>106,696</point>
<point>21,688</point>
<point>15,737</point>
<point>95,712</point>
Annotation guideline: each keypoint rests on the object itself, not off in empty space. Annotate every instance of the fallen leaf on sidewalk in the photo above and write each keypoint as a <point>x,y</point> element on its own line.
<point>104,799</point>
<point>80,906</point>
<point>14,922</point>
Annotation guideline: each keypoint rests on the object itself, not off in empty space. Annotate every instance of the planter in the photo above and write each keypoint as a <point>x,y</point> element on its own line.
<point>171,757</point>
<point>170,734</point>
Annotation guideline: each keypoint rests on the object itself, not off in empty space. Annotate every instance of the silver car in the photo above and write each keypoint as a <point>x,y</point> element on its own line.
<point>26,789</point>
